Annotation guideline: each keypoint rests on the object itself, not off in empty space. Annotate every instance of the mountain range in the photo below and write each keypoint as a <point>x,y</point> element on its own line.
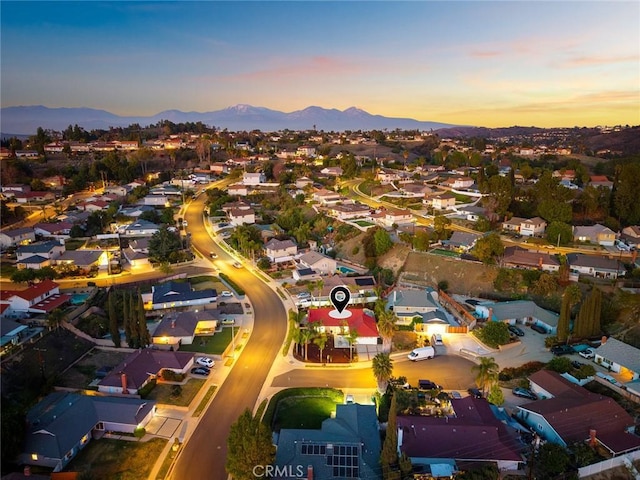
<point>25,120</point>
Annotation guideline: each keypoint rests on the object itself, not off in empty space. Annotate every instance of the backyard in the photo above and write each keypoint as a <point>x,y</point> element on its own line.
<point>302,407</point>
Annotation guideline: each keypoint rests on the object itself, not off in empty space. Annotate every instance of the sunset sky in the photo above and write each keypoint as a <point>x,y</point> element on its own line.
<point>548,64</point>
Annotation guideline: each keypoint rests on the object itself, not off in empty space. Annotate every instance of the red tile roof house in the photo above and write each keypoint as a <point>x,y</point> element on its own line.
<point>361,320</point>
<point>42,297</point>
<point>572,414</point>
<point>141,367</point>
<point>473,435</point>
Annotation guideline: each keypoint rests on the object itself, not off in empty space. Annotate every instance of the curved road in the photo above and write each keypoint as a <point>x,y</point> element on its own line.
<point>203,456</point>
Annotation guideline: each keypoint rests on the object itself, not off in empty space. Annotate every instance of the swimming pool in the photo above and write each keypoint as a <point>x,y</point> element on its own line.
<point>345,270</point>
<point>78,298</point>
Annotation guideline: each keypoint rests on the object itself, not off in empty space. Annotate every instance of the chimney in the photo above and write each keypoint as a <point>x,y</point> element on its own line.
<point>173,323</point>
<point>604,340</point>
<point>123,379</point>
<point>310,472</point>
<point>27,471</point>
<point>540,262</point>
<point>592,438</point>
<point>490,314</point>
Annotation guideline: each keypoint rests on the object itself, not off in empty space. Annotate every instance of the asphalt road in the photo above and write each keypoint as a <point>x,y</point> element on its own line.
<point>203,456</point>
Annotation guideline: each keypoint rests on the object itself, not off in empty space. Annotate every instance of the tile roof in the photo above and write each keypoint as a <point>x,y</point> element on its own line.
<point>50,303</point>
<point>361,320</point>
<point>39,247</point>
<point>37,289</point>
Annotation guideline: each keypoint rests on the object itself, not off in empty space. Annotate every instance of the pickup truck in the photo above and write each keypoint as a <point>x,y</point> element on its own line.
<point>562,350</point>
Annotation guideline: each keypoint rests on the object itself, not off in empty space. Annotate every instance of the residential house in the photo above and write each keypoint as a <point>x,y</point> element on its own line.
<point>442,201</point>
<point>409,304</point>
<point>118,190</point>
<point>347,446</point>
<point>49,250</point>
<point>37,197</point>
<point>140,228</point>
<point>59,230</point>
<point>306,151</point>
<point>598,234</point>
<point>513,224</point>
<point>41,297</point>
<point>239,205</point>
<point>595,265</point>
<point>136,258</point>
<point>462,241</point>
<point>141,367</point>
<point>391,217</point>
<point>517,257</point>
<point>472,212</point>
<point>84,259</point>
<point>12,331</point>
<point>253,178</point>
<point>631,235</point>
<point>220,168</point>
<point>181,328</point>
<point>63,423</point>
<point>350,211</point>
<point>157,201</point>
<point>326,197</point>
<point>572,414</point>
<point>473,435</point>
<point>385,175</point>
<point>166,190</point>
<point>239,189</point>
<point>135,211</point>
<point>415,189</point>
<point>331,171</point>
<point>318,262</point>
<point>524,312</point>
<point>458,182</point>
<point>619,357</point>
<point>600,181</point>
<point>360,320</point>
<point>17,236</point>
<point>568,175</point>
<point>280,250</point>
<point>174,295</point>
<point>239,217</point>
<point>96,205</point>
<point>303,182</point>
<point>533,227</point>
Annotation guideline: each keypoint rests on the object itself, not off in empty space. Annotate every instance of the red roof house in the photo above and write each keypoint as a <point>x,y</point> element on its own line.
<point>361,320</point>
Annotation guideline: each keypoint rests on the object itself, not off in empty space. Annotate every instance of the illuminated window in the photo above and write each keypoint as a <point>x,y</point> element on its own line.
<point>34,456</point>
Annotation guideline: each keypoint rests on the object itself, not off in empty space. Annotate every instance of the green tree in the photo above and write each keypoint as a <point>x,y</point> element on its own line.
<point>306,335</point>
<point>249,444</point>
<point>126,318</point>
<point>144,337</point>
<point>23,275</point>
<point>320,341</point>
<point>55,318</point>
<point>486,372</point>
<point>493,333</point>
<point>559,364</point>
<point>352,337</point>
<point>113,319</point>
<point>382,367</point>
<point>441,226</point>
<point>559,232</point>
<point>625,194</point>
<point>496,397</point>
<point>382,241</point>
<point>552,460</point>
<point>570,297</point>
<point>587,322</point>
<point>163,243</point>
<point>488,248</point>
<point>386,328</point>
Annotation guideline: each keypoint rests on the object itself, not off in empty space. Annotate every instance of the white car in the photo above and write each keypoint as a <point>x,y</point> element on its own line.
<point>228,321</point>
<point>303,295</point>
<point>205,362</point>
<point>588,353</point>
<point>226,293</point>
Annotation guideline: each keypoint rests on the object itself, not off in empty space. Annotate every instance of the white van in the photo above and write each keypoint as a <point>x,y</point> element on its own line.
<point>423,353</point>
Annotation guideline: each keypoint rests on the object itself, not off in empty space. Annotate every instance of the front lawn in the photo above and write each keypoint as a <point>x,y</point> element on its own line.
<point>117,459</point>
<point>301,407</point>
<point>166,393</point>
<point>210,344</point>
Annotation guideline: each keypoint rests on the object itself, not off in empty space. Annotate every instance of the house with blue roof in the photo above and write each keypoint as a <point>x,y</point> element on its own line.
<point>411,304</point>
<point>63,423</point>
<point>180,294</point>
<point>39,254</point>
<point>347,446</point>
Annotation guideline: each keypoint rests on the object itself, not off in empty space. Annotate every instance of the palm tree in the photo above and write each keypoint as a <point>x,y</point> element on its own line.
<point>306,334</point>
<point>386,328</point>
<point>321,342</point>
<point>382,366</point>
<point>55,318</point>
<point>351,337</point>
<point>486,372</point>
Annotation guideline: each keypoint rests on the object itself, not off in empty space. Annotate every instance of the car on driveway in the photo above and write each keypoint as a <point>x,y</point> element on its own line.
<point>562,350</point>
<point>474,392</point>
<point>228,321</point>
<point>205,362</point>
<point>428,385</point>
<point>577,365</point>
<point>537,328</point>
<point>200,371</point>
<point>237,264</point>
<point>524,393</point>
<point>588,353</point>
<point>455,395</point>
<point>516,330</point>
<point>226,293</point>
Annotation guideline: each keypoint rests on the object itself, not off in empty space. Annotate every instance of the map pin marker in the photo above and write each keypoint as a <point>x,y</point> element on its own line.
<point>340,296</point>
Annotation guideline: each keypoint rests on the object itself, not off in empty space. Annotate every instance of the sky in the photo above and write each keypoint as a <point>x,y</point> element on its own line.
<point>492,64</point>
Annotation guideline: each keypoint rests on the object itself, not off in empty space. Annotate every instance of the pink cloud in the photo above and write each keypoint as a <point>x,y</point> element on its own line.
<point>587,60</point>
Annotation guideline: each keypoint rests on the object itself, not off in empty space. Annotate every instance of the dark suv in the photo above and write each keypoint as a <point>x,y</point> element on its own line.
<point>562,350</point>
<point>428,385</point>
<point>538,328</point>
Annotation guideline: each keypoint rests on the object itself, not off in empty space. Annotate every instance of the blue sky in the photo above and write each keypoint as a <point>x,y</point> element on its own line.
<point>482,63</point>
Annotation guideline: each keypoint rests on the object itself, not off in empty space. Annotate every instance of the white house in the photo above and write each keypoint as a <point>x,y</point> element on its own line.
<point>620,357</point>
<point>253,178</point>
<point>533,227</point>
<point>597,233</point>
<point>18,236</point>
<point>318,262</point>
<point>239,216</point>
<point>239,189</point>
<point>280,250</point>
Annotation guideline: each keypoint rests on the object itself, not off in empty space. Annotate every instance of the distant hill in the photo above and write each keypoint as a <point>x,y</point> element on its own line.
<point>25,120</point>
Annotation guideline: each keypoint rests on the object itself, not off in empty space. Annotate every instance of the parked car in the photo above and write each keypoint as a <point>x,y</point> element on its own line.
<point>516,330</point>
<point>213,254</point>
<point>577,365</point>
<point>588,353</point>
<point>237,264</point>
<point>303,295</point>
<point>562,350</point>
<point>538,328</point>
<point>228,321</point>
<point>205,362</point>
<point>474,392</point>
<point>472,301</point>
<point>428,385</point>
<point>226,293</point>
<point>200,371</point>
<point>455,395</point>
<point>524,393</point>
<point>348,399</point>
<point>436,339</point>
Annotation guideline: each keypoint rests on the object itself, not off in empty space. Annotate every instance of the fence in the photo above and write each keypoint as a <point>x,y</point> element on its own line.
<point>610,463</point>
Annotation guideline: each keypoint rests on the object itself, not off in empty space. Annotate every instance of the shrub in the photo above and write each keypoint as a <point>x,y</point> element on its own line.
<point>524,370</point>
<point>139,432</point>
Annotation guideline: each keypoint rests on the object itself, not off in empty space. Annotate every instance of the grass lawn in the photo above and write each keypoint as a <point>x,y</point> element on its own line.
<point>363,223</point>
<point>7,270</point>
<point>161,393</point>
<point>213,345</point>
<point>444,253</point>
<point>118,459</point>
<point>303,412</point>
<point>462,198</point>
<point>73,243</point>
